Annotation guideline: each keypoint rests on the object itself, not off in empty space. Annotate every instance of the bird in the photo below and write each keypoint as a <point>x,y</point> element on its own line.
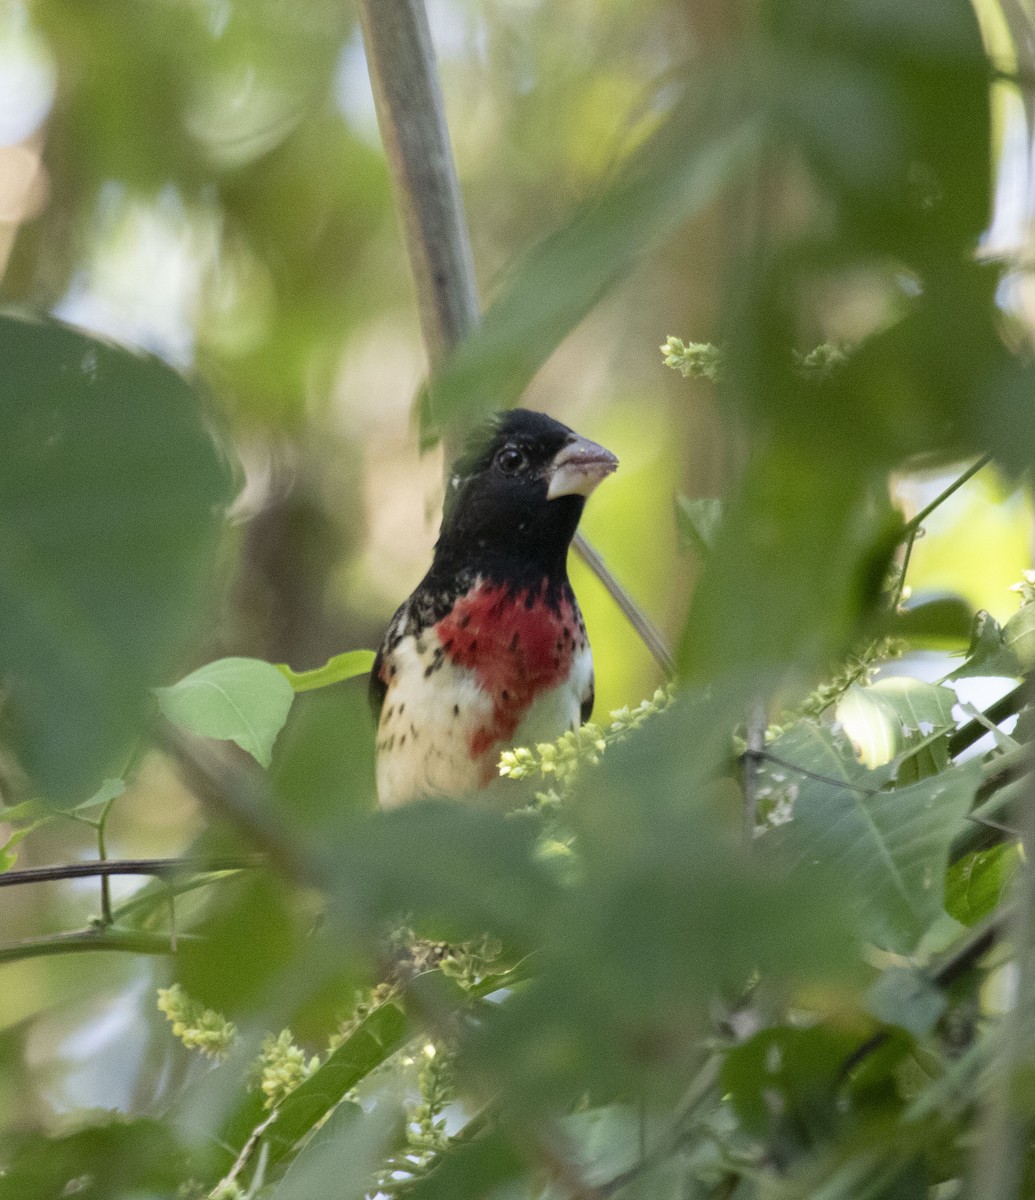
<point>490,649</point>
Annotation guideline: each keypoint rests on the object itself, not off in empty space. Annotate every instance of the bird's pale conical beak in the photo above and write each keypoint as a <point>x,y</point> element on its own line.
<point>578,467</point>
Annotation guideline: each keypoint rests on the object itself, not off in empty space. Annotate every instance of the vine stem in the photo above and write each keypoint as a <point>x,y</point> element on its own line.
<point>98,937</point>
<point>411,116</point>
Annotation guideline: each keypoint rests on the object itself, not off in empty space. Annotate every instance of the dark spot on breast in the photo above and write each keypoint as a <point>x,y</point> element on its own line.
<point>560,647</point>
<point>514,642</point>
<point>456,710</point>
<point>474,645</point>
<point>413,732</point>
<point>402,705</point>
<point>388,714</point>
<point>505,694</point>
<point>402,741</point>
<point>446,646</point>
<point>392,670</point>
<point>556,664</point>
<point>464,621</point>
<point>390,743</point>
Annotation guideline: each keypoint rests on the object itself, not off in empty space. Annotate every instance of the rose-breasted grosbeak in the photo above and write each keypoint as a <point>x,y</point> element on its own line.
<point>490,650</point>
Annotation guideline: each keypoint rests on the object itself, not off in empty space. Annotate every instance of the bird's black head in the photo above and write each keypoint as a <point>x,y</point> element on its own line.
<point>514,498</point>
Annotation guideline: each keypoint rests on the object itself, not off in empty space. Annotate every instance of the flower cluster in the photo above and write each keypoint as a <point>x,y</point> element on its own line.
<point>199,1028</point>
<point>560,760</point>
<point>693,360</point>
<point>282,1066</point>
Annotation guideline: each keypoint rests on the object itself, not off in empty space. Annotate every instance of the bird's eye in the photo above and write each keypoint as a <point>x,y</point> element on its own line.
<point>510,460</point>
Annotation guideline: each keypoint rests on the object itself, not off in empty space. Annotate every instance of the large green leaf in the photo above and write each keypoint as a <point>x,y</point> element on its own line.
<point>890,848</point>
<point>244,700</point>
<point>109,506</point>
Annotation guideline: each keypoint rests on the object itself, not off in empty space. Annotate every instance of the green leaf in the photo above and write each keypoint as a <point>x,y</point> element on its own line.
<point>988,654</point>
<point>905,997</point>
<point>974,885</point>
<point>890,848</point>
<point>374,1040</point>
<point>116,1159</point>
<point>335,670</point>
<point>243,700</point>
<point>110,789</point>
<point>110,500</point>
<point>1019,636</point>
<point>939,622</point>
<point>697,521</point>
<point>8,857</point>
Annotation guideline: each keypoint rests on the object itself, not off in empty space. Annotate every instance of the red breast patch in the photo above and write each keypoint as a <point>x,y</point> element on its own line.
<point>516,644</point>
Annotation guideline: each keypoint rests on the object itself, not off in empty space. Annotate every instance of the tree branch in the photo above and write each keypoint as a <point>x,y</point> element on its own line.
<point>160,868</point>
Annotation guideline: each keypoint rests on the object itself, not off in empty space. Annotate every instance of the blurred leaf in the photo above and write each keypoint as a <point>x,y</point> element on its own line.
<point>471,1169</point>
<point>243,700</point>
<point>975,884</point>
<point>335,670</point>
<point>890,848</point>
<point>249,938</point>
<point>905,997</point>
<point>988,654</point>
<point>603,1143</point>
<point>343,1156</point>
<point>939,621</point>
<point>783,1083</point>
<point>804,550</point>
<point>112,1161</point>
<point>323,771</point>
<point>459,869</point>
<point>682,167</point>
<point>110,499</point>
<point>696,521</point>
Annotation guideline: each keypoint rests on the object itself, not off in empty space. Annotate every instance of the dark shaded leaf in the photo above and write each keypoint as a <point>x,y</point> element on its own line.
<point>109,501</point>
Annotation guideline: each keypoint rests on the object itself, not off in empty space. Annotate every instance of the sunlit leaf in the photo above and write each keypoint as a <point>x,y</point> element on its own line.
<point>335,670</point>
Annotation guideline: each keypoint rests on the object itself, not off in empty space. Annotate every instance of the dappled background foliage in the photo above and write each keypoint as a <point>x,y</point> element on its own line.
<point>838,198</point>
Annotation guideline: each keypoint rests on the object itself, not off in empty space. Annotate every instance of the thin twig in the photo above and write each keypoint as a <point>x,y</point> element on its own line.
<point>411,116</point>
<point>914,523</point>
<point>161,868</point>
<point>99,937</point>
<point>648,632</point>
<point>246,1152</point>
